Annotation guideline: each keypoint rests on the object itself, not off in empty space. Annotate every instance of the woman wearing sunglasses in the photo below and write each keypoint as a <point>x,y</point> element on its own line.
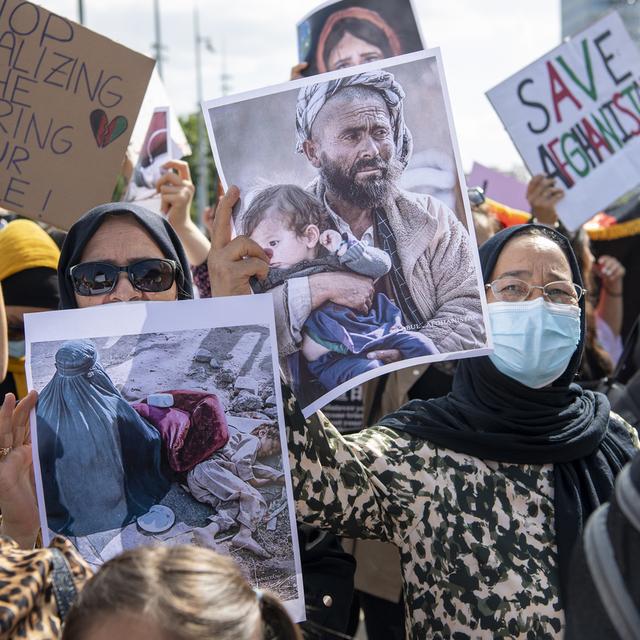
<point>122,238</point>
<point>485,491</point>
<point>118,252</point>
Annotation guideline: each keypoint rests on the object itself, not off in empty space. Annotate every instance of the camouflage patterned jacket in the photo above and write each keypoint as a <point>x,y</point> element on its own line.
<point>476,537</point>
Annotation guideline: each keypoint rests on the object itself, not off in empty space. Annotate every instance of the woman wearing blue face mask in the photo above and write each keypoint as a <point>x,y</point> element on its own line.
<point>485,491</point>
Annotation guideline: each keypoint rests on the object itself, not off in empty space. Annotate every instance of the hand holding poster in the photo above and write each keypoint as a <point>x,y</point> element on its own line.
<point>368,274</point>
<point>68,101</point>
<point>574,115</point>
<point>169,431</point>
<point>343,33</point>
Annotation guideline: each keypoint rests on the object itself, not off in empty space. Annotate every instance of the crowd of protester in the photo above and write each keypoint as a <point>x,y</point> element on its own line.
<point>481,487</point>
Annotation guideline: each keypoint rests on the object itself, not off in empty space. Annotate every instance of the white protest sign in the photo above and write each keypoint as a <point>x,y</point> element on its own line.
<point>574,114</point>
<point>141,408</point>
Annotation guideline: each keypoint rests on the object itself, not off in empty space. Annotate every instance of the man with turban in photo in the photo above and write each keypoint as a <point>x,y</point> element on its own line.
<point>353,131</point>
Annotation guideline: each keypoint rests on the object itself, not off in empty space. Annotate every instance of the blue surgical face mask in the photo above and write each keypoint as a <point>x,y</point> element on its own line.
<point>16,349</point>
<point>535,340</point>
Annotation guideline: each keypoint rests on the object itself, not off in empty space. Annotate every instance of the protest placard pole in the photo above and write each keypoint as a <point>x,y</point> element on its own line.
<point>81,11</point>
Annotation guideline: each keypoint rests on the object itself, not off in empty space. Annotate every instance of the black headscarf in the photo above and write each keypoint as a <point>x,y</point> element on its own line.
<point>37,287</point>
<point>494,417</point>
<point>84,229</point>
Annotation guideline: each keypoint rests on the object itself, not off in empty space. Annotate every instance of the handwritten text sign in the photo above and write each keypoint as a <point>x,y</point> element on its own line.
<point>68,101</point>
<point>574,114</point>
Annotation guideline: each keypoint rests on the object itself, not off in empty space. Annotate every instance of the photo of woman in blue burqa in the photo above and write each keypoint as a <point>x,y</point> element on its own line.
<point>100,460</point>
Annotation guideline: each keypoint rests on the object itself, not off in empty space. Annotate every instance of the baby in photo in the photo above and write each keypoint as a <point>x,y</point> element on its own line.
<point>294,228</point>
<point>229,482</point>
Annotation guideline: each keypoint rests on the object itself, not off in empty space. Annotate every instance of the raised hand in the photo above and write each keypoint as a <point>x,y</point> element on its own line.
<point>543,196</point>
<point>17,494</point>
<point>233,262</point>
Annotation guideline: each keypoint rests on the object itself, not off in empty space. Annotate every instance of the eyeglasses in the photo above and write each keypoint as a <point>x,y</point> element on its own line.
<point>515,290</point>
<point>97,278</point>
<point>476,196</point>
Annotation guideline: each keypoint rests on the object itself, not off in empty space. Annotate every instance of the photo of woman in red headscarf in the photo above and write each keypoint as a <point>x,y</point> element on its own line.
<point>343,34</point>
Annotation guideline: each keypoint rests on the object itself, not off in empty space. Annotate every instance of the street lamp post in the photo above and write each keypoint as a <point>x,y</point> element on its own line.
<point>157,45</point>
<point>202,194</point>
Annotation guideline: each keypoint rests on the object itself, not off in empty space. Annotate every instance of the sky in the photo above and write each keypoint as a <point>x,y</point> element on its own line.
<point>482,42</point>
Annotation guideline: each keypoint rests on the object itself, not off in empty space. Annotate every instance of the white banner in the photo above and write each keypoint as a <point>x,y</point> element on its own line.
<point>574,114</point>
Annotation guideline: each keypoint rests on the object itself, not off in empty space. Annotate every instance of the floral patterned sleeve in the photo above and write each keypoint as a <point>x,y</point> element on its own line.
<point>200,275</point>
<point>359,485</point>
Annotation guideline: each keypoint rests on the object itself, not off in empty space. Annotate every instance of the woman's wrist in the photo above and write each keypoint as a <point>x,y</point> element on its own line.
<point>25,537</point>
<point>612,293</point>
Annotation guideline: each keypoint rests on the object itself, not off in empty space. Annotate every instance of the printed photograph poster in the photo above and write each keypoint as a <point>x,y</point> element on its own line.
<point>154,153</point>
<point>574,115</point>
<point>369,271</point>
<point>344,33</point>
<point>169,430</point>
<point>69,98</point>
<point>157,97</point>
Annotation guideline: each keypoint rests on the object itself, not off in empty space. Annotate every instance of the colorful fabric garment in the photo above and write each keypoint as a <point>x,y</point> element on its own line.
<point>332,369</point>
<point>192,429</point>
<point>29,605</point>
<point>476,537</point>
<point>350,336</point>
<point>200,277</point>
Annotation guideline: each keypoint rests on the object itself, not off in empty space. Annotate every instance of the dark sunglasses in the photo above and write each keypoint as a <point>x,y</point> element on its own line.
<point>97,278</point>
<point>476,196</point>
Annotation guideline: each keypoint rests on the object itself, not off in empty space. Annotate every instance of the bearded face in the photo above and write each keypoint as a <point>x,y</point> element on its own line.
<point>365,183</point>
<point>353,146</point>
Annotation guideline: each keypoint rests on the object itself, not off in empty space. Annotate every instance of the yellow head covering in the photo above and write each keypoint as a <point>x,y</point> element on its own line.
<point>24,245</point>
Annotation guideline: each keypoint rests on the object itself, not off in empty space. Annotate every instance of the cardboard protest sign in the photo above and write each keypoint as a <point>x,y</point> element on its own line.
<point>574,115</point>
<point>169,430</point>
<point>369,274</point>
<point>342,33</point>
<point>68,101</point>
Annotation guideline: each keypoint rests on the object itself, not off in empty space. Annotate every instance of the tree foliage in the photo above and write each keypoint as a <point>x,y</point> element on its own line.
<point>190,126</point>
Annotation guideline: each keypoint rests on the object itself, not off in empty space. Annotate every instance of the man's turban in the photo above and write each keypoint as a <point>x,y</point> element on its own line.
<point>313,97</point>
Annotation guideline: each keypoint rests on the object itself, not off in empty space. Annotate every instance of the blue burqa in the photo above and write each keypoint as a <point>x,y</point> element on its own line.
<point>100,461</point>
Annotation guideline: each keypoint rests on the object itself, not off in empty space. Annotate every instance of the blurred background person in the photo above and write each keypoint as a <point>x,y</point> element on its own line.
<point>177,592</point>
<point>28,264</point>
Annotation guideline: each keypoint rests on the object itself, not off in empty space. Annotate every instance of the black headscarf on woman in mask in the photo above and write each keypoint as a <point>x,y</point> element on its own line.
<point>491,416</point>
<point>84,229</point>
